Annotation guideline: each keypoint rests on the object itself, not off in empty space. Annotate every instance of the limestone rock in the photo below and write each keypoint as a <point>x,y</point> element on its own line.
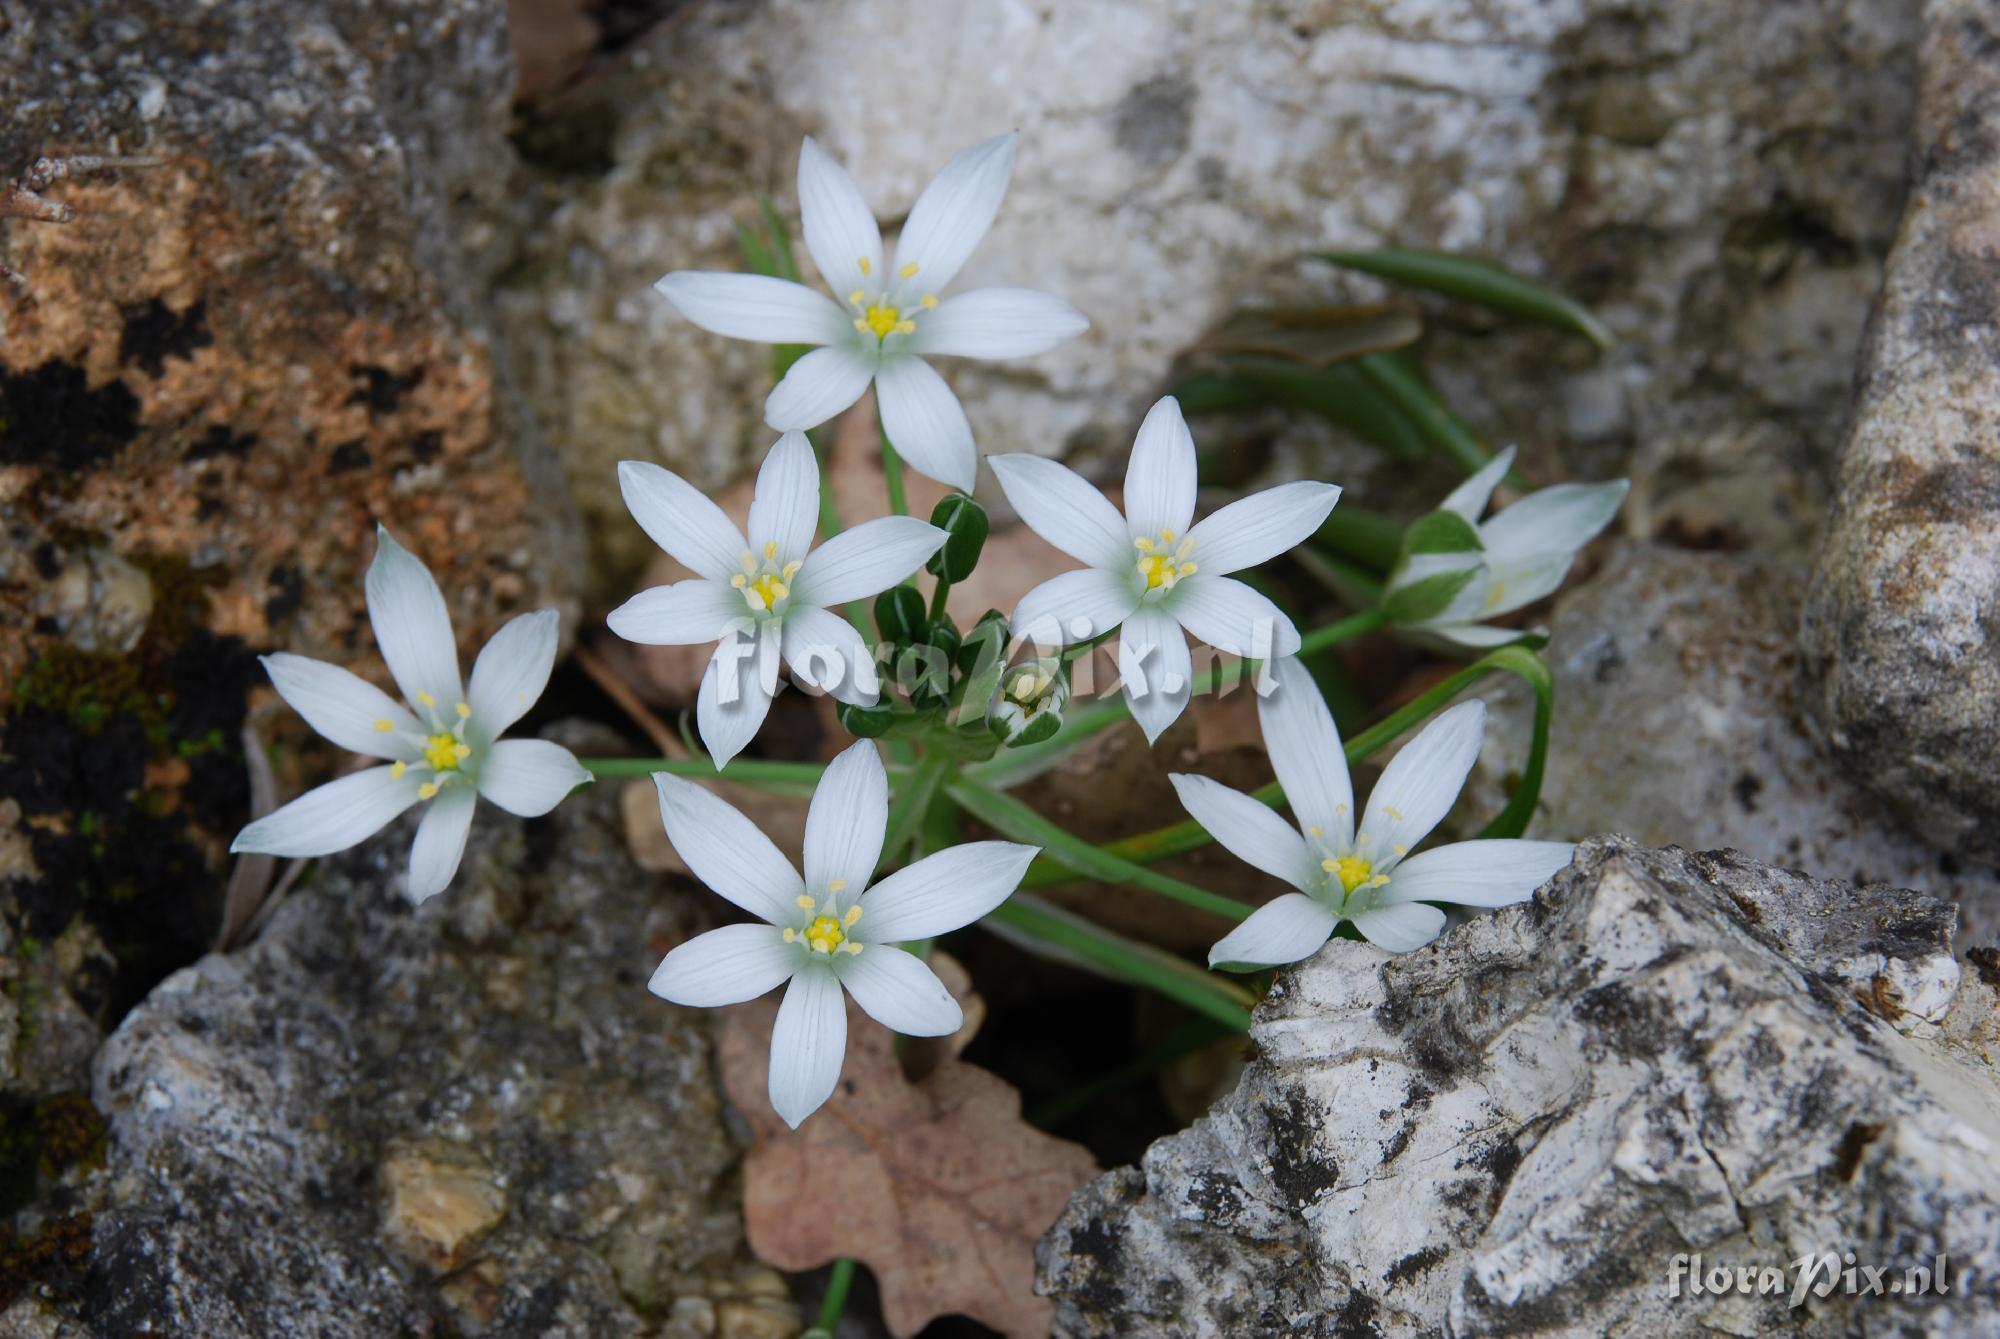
<point>1678,720</point>
<point>469,1117</point>
<point>215,379</point>
<point>1899,637</point>
<point>1519,1127</point>
<point>1719,181</point>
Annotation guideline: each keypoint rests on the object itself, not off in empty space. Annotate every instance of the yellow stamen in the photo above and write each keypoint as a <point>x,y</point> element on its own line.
<point>837,886</point>
<point>442,753</point>
<point>427,791</point>
<point>1315,831</point>
<point>1352,871</point>
<point>853,947</point>
<point>1164,564</point>
<point>462,752</point>
<point>1393,812</point>
<point>765,592</point>
<point>1400,850</point>
<point>396,770</point>
<point>825,934</point>
<point>770,549</point>
<point>464,711</point>
<point>908,271</point>
<point>426,700</point>
<point>739,581</point>
<point>790,934</point>
<point>853,915</point>
<point>880,320</point>
<point>867,265</point>
<point>804,903</point>
<point>856,298</point>
<point>930,302</point>
<point>384,726</point>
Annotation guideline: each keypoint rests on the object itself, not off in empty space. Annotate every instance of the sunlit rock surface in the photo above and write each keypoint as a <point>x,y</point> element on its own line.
<point>1719,181</point>
<point>1900,637</point>
<point>1518,1128</point>
<point>466,1118</point>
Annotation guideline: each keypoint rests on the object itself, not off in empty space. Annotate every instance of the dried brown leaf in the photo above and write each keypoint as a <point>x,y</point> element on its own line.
<point>938,1186</point>
<point>1315,336</point>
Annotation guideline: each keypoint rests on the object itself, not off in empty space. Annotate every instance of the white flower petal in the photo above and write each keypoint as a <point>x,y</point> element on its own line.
<point>727,852</point>
<point>512,670</point>
<point>1157,670</point>
<point>998,323</point>
<point>808,1045</point>
<point>342,706</point>
<point>1419,784</point>
<point>1160,475</point>
<point>1075,606</point>
<point>846,821</point>
<point>726,966</point>
<point>865,560</point>
<point>1558,518</point>
<point>925,422</point>
<point>755,306</point>
<point>1476,636</point>
<point>953,213</point>
<point>529,777</point>
<point>942,892</point>
<point>1258,528</point>
<point>1491,873</point>
<point>1066,511</point>
<point>686,613</point>
<point>1283,930</point>
<point>1232,617</point>
<point>680,518</point>
<point>786,507</point>
<point>839,227</point>
<point>1400,927</point>
<point>1247,829</point>
<point>736,691</point>
<point>332,817</point>
<point>1516,582</point>
<point>820,385</point>
<point>898,991</point>
<point>1305,750</point>
<point>825,652</point>
<point>1470,498</point>
<point>411,624</point>
<point>440,842</point>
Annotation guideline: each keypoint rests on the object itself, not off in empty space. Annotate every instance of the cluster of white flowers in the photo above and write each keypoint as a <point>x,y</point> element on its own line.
<point>766,597</point>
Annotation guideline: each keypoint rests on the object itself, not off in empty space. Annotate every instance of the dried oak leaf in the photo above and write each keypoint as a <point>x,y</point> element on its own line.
<point>938,1186</point>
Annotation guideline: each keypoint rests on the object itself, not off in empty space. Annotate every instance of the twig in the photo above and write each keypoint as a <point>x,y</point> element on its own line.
<point>666,741</point>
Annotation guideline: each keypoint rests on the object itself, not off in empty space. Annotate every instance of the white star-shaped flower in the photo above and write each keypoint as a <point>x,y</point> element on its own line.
<point>1367,876</point>
<point>442,742</point>
<point>768,599</point>
<point>1525,552</point>
<point>830,930</point>
<point>890,315</point>
<point>1151,573</point>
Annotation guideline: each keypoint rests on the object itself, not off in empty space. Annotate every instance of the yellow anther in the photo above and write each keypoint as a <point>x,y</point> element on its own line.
<point>856,298</point>
<point>906,327</point>
<point>1167,535</point>
<point>464,711</point>
<point>384,726</point>
<point>462,752</point>
<point>1143,544</point>
<point>825,934</point>
<point>1393,812</point>
<point>867,265</point>
<point>397,769</point>
<point>765,592</point>
<point>790,934</point>
<point>836,886</point>
<point>908,271</point>
<point>1340,808</point>
<point>427,791</point>
<point>792,569</point>
<point>1315,831</point>
<point>739,581</point>
<point>425,699</point>
<point>853,915</point>
<point>930,302</point>
<point>1188,569</point>
<point>804,903</point>
<point>442,752</point>
<point>880,320</point>
<point>1351,870</point>
<point>748,562</point>
<point>1400,850</point>
<point>770,549</point>
<point>853,948</point>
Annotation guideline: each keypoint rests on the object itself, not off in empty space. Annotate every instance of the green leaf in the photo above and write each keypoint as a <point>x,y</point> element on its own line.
<point>1513,820</point>
<point>1344,397</point>
<point>1481,282</point>
<point>1426,597</point>
<point>1314,337</point>
<point>1441,532</point>
<point>1401,380</point>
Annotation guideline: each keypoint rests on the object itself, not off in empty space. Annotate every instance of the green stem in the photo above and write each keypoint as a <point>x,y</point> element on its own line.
<point>1065,851</point>
<point>835,1301</point>
<point>892,475</point>
<point>907,811</point>
<point>938,594</point>
<point>798,777</point>
<point>1399,379</point>
<point>1029,917</point>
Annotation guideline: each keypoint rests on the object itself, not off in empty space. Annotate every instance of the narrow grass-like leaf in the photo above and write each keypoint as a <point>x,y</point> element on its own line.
<point>1478,281</point>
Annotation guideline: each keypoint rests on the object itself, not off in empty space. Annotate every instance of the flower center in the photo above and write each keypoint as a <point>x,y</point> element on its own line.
<point>1029,684</point>
<point>887,311</point>
<point>1351,870</point>
<point>441,752</point>
<point>765,585</point>
<point>1162,562</point>
<point>825,934</point>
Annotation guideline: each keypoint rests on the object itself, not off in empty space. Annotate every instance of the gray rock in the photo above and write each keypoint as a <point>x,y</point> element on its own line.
<point>469,1117</point>
<point>1678,720</point>
<point>1899,637</point>
<point>1719,181</point>
<point>1520,1127</point>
